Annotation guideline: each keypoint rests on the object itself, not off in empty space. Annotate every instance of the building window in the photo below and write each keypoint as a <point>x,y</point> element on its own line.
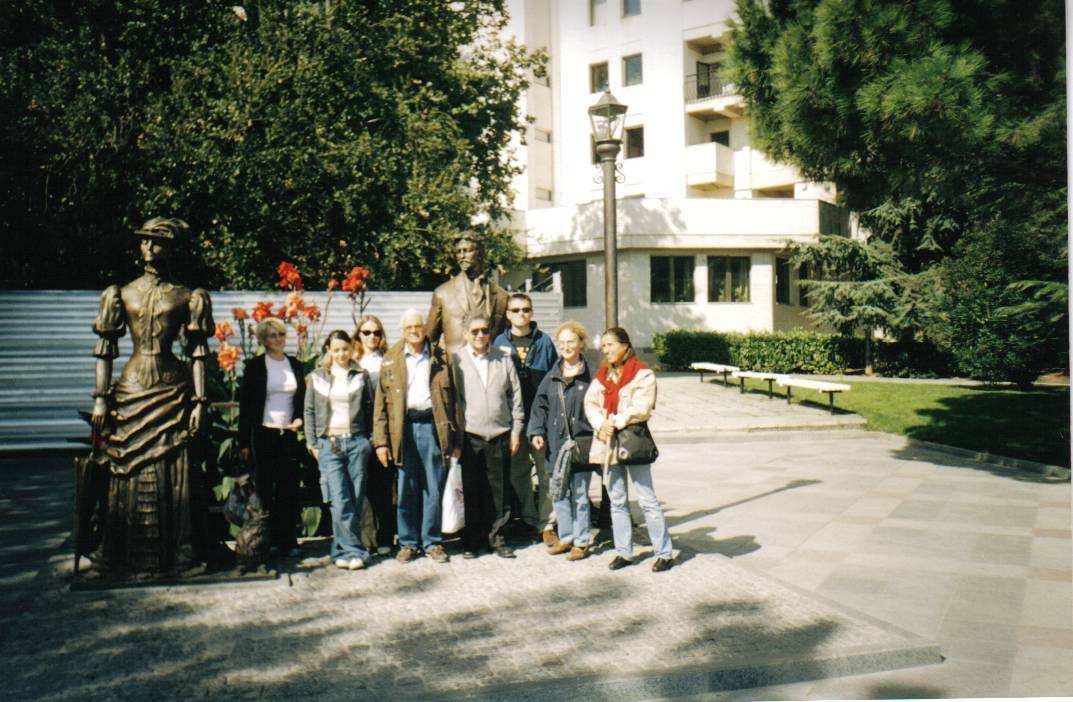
<point>803,273</point>
<point>631,8</point>
<point>542,194</point>
<point>573,276</point>
<point>598,81</point>
<point>728,278</point>
<point>596,12</point>
<point>671,278</point>
<point>722,137</point>
<point>542,135</point>
<point>632,70</point>
<point>782,281</point>
<point>635,142</point>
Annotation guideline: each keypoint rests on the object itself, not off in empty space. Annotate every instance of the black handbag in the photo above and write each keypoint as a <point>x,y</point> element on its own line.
<point>579,456</point>
<point>635,446</point>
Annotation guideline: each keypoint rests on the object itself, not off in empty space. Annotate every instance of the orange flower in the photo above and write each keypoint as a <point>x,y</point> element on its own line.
<point>293,305</point>
<point>228,356</point>
<point>333,283</point>
<point>355,279</point>
<point>288,276</point>
<point>262,310</point>
<point>224,330</point>
<point>238,313</point>
<point>312,313</point>
<point>302,329</point>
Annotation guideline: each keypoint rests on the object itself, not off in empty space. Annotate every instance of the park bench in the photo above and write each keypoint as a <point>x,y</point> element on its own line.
<point>705,367</point>
<point>758,375</point>
<point>818,385</point>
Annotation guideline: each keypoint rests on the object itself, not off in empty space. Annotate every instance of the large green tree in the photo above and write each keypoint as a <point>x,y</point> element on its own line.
<point>330,133</point>
<point>941,121</point>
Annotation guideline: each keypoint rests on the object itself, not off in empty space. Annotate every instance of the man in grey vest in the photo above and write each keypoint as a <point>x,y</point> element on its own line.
<point>490,396</point>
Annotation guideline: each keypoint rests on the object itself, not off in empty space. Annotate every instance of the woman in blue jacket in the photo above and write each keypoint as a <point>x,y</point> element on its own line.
<point>560,399</point>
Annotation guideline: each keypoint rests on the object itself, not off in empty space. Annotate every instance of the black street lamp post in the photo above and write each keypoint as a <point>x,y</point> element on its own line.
<point>607,117</point>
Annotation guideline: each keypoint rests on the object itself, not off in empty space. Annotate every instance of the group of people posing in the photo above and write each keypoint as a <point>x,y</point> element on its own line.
<point>385,425</point>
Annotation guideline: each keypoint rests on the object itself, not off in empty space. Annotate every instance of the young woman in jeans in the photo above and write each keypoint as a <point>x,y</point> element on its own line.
<point>624,392</point>
<point>338,411</point>
<point>560,397</point>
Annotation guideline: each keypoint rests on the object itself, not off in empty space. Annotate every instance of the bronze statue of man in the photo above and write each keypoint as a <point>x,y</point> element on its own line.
<point>154,516</point>
<point>468,291</point>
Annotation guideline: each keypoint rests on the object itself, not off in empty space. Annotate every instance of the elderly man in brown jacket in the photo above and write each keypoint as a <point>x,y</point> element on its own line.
<point>417,426</point>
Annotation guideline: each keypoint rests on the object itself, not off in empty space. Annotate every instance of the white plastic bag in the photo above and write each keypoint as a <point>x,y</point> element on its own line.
<point>454,517</point>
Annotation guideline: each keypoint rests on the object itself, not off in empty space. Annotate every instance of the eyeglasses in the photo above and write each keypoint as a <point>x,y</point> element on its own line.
<point>374,332</point>
<point>522,310</point>
<point>480,330</point>
<point>275,335</point>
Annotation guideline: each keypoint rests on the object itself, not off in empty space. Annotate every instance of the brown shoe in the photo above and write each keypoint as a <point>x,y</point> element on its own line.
<point>437,554</point>
<point>406,554</point>
<point>560,547</point>
<point>577,553</point>
<point>549,537</point>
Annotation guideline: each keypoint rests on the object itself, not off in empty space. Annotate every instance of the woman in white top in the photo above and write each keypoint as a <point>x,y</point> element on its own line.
<point>271,398</point>
<point>338,410</point>
<point>379,525</point>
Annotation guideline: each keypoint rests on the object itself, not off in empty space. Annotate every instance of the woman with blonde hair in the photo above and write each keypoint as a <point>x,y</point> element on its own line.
<point>271,402</point>
<point>380,525</point>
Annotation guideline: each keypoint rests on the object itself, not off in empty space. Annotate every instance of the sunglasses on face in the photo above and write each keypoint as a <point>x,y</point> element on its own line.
<point>479,331</point>
<point>522,310</point>
<point>373,332</point>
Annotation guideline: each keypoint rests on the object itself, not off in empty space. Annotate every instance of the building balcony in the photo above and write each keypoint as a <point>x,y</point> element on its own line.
<point>709,166</point>
<point>679,223</point>
<point>707,97</point>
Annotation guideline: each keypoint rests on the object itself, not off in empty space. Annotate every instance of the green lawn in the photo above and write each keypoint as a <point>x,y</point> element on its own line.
<point>1000,420</point>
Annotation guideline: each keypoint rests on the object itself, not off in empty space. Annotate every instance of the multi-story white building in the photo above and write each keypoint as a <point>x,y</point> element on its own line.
<point>702,215</point>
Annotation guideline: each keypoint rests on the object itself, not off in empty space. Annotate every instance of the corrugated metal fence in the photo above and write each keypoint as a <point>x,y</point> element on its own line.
<point>46,370</point>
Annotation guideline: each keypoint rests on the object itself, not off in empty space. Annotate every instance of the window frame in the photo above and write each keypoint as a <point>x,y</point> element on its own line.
<point>631,14</point>
<point>783,263</point>
<point>628,141</point>
<point>593,88</point>
<point>571,294</point>
<point>676,296</point>
<point>746,263</point>
<point>640,70</point>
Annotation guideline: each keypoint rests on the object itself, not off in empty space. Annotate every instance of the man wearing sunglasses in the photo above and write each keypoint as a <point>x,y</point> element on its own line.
<point>491,402</point>
<point>533,353</point>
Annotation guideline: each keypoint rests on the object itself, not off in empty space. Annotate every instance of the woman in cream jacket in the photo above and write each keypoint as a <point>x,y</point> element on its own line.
<point>624,392</point>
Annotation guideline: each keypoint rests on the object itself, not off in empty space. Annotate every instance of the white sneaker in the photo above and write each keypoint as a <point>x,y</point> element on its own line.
<point>342,563</point>
<point>356,564</point>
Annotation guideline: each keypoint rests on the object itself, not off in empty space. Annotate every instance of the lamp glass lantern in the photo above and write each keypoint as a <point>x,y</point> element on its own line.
<point>607,117</point>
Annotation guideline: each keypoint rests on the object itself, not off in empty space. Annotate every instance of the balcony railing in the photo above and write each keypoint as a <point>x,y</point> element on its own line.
<point>703,87</point>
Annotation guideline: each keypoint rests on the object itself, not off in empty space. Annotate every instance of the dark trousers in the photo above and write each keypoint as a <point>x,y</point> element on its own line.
<point>380,490</point>
<point>485,484</point>
<point>276,455</point>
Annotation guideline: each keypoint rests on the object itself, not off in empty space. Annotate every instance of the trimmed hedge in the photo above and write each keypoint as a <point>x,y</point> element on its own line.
<point>774,352</point>
<point>797,352</point>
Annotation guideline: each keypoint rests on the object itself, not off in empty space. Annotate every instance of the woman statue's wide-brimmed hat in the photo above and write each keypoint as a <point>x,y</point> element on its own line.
<point>166,228</point>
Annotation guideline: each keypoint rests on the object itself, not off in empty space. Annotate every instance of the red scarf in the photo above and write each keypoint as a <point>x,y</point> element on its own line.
<point>630,368</point>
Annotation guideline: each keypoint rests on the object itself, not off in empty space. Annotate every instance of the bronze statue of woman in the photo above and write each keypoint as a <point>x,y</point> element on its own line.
<point>150,416</point>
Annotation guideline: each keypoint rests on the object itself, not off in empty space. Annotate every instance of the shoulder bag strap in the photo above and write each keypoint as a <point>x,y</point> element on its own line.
<point>562,407</point>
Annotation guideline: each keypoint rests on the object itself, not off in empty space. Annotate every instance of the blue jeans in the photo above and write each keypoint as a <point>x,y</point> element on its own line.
<point>421,480</point>
<point>621,526</point>
<point>342,483</point>
<point>572,513</point>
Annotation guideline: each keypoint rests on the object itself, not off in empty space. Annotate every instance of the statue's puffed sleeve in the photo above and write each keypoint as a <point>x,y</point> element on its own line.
<point>111,323</point>
<point>200,327</point>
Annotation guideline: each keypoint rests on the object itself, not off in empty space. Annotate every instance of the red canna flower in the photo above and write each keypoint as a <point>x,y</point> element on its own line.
<point>228,356</point>
<point>355,279</point>
<point>293,305</point>
<point>289,277</point>
<point>224,331</point>
<point>302,329</point>
<point>311,312</point>
<point>238,313</point>
<point>262,310</point>
<point>333,283</point>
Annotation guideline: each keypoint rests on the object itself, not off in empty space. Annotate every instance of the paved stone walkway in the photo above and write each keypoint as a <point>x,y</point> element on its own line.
<point>686,405</point>
<point>954,551</point>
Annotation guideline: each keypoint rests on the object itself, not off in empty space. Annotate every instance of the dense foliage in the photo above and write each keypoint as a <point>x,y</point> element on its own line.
<point>775,352</point>
<point>943,123</point>
<point>329,133</point>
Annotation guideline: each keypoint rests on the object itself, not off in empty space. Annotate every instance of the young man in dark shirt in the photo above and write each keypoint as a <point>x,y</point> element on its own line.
<point>534,354</point>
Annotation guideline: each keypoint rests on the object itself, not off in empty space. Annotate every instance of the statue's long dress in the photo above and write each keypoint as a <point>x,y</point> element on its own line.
<point>153,514</point>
